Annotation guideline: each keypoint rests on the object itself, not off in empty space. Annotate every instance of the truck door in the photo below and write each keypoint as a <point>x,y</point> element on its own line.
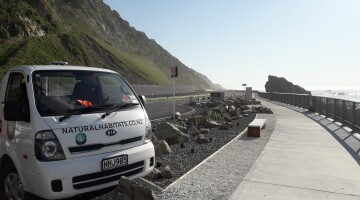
<point>17,133</point>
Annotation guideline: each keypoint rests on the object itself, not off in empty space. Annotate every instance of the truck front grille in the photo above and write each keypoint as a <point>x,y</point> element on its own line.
<point>93,147</point>
<point>98,178</point>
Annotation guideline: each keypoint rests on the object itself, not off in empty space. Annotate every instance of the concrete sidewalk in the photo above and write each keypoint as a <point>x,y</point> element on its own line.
<point>302,160</point>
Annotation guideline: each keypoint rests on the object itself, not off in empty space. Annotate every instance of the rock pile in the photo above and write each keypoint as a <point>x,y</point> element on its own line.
<point>199,129</point>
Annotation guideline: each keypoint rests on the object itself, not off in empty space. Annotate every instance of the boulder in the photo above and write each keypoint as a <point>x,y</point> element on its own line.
<point>234,112</point>
<point>201,139</point>
<point>225,126</point>
<point>204,130</point>
<point>211,104</point>
<point>166,172</point>
<point>177,115</point>
<point>182,129</point>
<point>257,102</point>
<point>212,124</point>
<point>216,109</point>
<point>193,131</point>
<point>262,109</point>
<point>232,107</point>
<point>161,147</point>
<point>227,119</point>
<point>236,117</point>
<point>197,120</point>
<point>154,174</point>
<point>129,190</point>
<point>244,108</point>
<point>192,103</point>
<point>170,133</point>
<point>249,111</point>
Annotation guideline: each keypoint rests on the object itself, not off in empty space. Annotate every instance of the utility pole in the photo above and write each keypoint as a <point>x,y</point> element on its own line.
<point>244,84</point>
<point>174,73</point>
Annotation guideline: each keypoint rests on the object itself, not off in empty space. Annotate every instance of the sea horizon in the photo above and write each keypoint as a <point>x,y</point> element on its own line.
<point>346,94</point>
<point>351,94</point>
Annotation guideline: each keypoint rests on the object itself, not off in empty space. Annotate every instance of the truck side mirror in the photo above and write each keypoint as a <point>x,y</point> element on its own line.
<point>142,99</point>
<point>13,112</point>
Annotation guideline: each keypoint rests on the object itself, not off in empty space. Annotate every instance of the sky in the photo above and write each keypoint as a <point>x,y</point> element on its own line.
<point>312,43</point>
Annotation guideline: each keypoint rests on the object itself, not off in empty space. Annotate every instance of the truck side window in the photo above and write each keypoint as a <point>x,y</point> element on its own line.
<point>16,90</point>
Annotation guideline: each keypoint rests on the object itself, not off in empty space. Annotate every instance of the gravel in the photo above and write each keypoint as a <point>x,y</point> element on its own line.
<point>181,160</point>
<point>219,176</point>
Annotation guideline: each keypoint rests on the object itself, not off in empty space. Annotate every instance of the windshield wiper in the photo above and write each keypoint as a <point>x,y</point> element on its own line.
<point>82,110</point>
<point>118,107</point>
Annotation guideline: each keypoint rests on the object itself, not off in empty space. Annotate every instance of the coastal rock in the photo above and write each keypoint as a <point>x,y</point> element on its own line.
<point>249,111</point>
<point>236,117</point>
<point>161,147</point>
<point>170,133</point>
<point>129,190</point>
<point>281,85</point>
<point>212,124</point>
<point>166,172</point>
<point>154,174</point>
<point>201,139</point>
<point>177,115</point>
<point>192,103</point>
<point>204,130</point>
<point>198,120</point>
<point>225,126</point>
<point>211,104</point>
<point>234,112</point>
<point>182,129</point>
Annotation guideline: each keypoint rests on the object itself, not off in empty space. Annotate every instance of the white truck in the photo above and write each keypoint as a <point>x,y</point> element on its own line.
<point>67,130</point>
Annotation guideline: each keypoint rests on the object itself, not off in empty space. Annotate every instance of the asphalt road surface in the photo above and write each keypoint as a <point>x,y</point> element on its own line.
<point>157,110</point>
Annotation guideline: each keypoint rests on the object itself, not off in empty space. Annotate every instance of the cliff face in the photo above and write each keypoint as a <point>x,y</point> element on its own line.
<point>281,85</point>
<point>85,32</point>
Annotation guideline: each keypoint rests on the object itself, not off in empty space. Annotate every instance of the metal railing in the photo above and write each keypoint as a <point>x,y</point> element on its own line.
<point>344,111</point>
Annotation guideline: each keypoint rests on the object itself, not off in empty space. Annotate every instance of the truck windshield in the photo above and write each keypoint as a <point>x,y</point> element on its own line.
<point>63,92</point>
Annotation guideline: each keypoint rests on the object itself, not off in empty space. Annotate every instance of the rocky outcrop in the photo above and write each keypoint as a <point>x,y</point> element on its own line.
<point>281,85</point>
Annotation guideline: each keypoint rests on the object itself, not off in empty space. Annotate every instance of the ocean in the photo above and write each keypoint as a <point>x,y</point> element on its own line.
<point>346,94</point>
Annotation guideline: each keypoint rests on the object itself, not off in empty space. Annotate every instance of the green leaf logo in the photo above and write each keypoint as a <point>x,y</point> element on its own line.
<point>80,138</point>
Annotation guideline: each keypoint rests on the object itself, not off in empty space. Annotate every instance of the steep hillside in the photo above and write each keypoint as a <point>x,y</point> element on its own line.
<point>85,32</point>
<point>281,85</point>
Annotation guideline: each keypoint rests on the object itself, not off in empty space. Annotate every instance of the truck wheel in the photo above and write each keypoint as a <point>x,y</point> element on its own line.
<point>11,187</point>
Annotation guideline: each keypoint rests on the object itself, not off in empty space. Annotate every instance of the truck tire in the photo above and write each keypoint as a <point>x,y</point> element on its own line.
<point>11,187</point>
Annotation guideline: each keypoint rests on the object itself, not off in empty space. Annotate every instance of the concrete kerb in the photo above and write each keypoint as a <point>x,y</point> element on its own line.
<point>212,155</point>
<point>152,184</point>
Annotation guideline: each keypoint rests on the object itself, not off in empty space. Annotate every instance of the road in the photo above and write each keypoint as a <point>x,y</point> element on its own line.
<point>157,110</point>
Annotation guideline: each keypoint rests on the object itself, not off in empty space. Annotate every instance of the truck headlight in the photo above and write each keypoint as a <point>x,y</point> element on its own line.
<point>148,131</point>
<point>47,147</point>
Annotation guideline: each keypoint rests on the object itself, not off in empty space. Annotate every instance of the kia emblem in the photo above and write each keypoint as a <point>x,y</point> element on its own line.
<point>111,132</point>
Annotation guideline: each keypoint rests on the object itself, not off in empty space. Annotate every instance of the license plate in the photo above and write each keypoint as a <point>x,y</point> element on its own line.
<point>110,163</point>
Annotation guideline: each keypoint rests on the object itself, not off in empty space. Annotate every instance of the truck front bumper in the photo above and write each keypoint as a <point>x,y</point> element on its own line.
<point>82,175</point>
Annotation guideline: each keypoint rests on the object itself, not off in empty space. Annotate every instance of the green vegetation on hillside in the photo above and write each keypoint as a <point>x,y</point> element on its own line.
<point>85,33</point>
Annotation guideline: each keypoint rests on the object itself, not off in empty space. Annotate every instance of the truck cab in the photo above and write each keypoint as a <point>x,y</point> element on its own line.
<point>67,130</point>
